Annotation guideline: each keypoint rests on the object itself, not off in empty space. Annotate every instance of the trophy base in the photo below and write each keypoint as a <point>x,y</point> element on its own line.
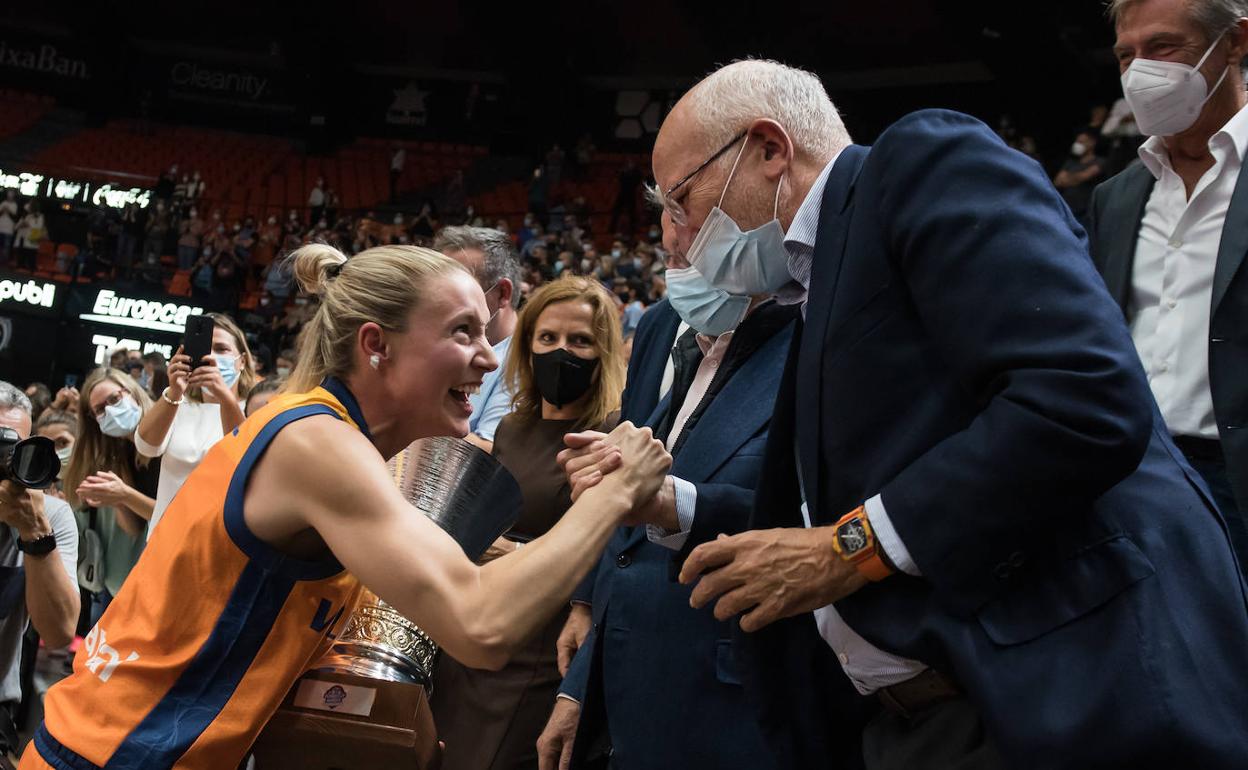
<point>342,721</point>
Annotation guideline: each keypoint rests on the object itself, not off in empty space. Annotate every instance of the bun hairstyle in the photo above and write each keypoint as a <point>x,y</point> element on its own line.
<point>382,285</point>
<point>315,265</point>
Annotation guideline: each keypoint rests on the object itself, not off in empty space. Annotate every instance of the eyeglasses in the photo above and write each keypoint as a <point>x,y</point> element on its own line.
<point>113,399</point>
<point>674,209</point>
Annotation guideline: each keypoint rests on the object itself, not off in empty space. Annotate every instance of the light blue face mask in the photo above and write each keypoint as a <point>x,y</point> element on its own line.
<point>229,369</point>
<point>741,263</point>
<point>708,310</point>
<point>120,419</point>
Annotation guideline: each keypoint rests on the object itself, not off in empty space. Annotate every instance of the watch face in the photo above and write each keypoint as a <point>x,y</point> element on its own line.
<point>853,536</point>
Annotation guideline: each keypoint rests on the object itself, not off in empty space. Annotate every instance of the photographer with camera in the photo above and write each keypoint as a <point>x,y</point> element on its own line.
<point>38,556</point>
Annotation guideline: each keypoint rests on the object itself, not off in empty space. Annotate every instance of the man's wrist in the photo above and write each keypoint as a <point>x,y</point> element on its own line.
<point>33,529</point>
<point>665,502</point>
<point>855,543</point>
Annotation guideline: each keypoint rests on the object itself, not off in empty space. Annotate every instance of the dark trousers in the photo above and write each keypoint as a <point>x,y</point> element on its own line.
<point>945,736</point>
<point>1207,459</point>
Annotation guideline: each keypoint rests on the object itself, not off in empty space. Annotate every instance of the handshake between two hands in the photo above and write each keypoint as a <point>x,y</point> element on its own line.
<point>637,457</point>
<point>760,575</point>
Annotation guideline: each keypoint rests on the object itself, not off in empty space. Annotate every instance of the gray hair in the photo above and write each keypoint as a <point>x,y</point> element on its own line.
<point>12,397</point>
<point>1214,17</point>
<point>728,99</point>
<point>501,259</point>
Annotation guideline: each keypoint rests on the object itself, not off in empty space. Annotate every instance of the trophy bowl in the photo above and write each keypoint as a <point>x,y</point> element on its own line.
<point>475,500</point>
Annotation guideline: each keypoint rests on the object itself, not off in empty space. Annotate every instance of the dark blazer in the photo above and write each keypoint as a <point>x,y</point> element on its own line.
<point>962,357</point>
<point>1114,226</point>
<point>655,334</point>
<point>666,675</point>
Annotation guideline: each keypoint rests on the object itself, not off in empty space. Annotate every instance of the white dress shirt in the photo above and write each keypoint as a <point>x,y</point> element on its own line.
<point>1172,282</point>
<point>686,494</point>
<point>867,666</point>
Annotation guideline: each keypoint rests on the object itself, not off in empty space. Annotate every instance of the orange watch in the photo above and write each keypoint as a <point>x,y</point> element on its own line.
<point>854,541</point>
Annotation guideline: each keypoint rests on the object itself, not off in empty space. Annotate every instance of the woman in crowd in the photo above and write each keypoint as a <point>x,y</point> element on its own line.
<point>196,409</point>
<point>61,428</point>
<point>284,521</point>
<point>567,375</point>
<point>189,239</point>
<point>109,484</point>
<point>31,231</point>
<point>8,224</point>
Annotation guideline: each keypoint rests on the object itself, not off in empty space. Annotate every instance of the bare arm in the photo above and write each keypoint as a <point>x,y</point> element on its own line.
<point>131,522</point>
<point>231,414</point>
<point>51,596</point>
<point>154,427</point>
<point>480,443</point>
<point>322,474</point>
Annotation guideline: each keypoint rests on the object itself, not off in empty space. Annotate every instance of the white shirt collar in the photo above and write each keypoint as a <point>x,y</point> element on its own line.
<point>1156,158</point>
<point>805,225</point>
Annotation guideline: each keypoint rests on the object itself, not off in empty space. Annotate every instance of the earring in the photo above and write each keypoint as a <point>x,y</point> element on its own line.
<point>374,360</point>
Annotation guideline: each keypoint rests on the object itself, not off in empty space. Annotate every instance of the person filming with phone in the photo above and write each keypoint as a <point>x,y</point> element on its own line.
<point>209,377</point>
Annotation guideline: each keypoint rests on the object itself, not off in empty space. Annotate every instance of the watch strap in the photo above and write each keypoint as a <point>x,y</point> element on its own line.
<point>39,546</point>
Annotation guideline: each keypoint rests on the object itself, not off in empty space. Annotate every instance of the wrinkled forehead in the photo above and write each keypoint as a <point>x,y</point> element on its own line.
<point>679,147</point>
<point>1157,21</point>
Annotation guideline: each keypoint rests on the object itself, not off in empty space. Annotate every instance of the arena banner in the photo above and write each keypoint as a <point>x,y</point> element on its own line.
<point>26,295</point>
<point>107,316</point>
<point>31,184</point>
<point>215,83</point>
<point>435,105</point>
<point>33,60</point>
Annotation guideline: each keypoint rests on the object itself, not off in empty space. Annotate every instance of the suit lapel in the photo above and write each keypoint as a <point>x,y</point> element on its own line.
<point>659,410</point>
<point>1125,207</point>
<point>1234,241</point>
<point>736,413</point>
<point>642,392</point>
<point>825,272</point>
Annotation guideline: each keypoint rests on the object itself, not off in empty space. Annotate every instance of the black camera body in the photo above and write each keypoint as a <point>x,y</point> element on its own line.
<point>31,462</point>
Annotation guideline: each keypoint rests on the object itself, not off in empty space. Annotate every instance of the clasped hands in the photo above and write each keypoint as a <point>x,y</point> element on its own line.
<point>761,575</point>
<point>591,456</point>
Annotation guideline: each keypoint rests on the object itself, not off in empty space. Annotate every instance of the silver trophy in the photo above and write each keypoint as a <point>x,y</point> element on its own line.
<point>471,496</point>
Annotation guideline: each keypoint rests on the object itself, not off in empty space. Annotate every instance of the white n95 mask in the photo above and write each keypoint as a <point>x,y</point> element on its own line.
<point>1166,97</point>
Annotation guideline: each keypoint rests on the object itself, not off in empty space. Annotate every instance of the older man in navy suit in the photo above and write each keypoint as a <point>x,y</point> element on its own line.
<point>968,488</point>
<point>654,684</point>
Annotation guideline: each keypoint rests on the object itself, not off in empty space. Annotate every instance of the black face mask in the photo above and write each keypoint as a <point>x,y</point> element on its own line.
<point>562,377</point>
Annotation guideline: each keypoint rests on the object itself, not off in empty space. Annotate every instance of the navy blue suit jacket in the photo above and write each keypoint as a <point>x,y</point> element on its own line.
<point>962,357</point>
<point>667,676</point>
<point>652,346</point>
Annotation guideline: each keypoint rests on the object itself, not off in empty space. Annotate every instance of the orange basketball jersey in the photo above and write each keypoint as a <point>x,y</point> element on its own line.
<point>211,629</point>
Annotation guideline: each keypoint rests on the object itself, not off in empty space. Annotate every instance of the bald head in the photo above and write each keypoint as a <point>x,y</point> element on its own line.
<point>730,98</point>
<point>775,123</point>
